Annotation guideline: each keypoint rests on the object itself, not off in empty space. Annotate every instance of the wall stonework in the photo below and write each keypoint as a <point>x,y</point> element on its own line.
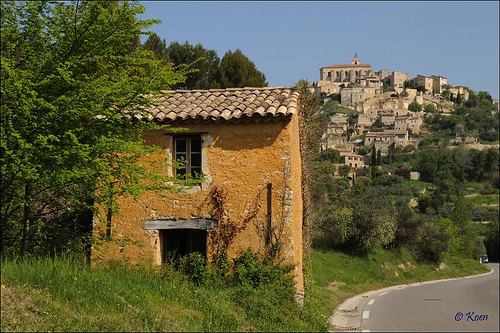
<point>241,158</point>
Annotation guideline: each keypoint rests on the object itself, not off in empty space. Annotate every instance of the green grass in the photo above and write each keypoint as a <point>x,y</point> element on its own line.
<point>64,295</point>
<point>338,276</point>
<point>421,185</point>
<point>489,199</point>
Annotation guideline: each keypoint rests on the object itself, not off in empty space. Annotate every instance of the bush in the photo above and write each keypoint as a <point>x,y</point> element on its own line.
<point>194,266</point>
<point>248,269</point>
<point>415,107</point>
<point>408,227</point>
<point>430,108</point>
<point>434,243</point>
<point>359,222</point>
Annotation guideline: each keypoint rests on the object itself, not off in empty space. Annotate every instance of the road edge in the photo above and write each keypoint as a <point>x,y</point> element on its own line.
<point>347,316</point>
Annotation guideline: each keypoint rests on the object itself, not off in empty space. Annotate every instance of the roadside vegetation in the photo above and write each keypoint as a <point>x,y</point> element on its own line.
<point>64,294</point>
<point>383,229</point>
<point>339,276</point>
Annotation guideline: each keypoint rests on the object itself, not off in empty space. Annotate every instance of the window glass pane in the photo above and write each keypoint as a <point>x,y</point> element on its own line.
<point>195,160</point>
<point>180,171</point>
<point>181,156</point>
<point>180,145</point>
<point>196,145</point>
<point>195,171</point>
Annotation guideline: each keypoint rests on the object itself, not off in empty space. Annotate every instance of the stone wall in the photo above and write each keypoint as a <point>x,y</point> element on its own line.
<point>241,158</point>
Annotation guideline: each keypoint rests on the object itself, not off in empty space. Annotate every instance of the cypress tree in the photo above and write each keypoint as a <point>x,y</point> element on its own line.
<point>374,155</point>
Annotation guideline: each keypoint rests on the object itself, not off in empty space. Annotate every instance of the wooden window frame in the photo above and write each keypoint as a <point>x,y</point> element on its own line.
<point>188,154</point>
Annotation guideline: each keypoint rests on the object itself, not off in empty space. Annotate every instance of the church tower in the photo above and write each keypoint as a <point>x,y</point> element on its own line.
<point>355,60</point>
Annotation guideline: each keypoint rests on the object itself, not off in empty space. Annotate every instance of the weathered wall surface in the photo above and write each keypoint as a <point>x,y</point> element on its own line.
<point>241,158</point>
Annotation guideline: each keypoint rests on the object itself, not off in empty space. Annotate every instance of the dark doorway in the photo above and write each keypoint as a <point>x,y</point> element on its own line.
<point>180,242</point>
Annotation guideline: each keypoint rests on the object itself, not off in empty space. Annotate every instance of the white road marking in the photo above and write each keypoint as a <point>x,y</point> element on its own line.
<point>365,331</point>
<point>366,314</point>
<point>371,302</point>
<point>382,294</point>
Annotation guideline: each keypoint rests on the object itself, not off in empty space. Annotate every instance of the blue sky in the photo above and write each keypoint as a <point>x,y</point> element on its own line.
<point>289,41</point>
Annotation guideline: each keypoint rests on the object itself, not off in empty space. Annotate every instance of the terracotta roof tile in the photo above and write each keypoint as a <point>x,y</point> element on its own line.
<point>215,104</point>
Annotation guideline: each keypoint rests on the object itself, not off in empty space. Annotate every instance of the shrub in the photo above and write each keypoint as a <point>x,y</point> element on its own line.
<point>408,227</point>
<point>415,107</point>
<point>194,266</point>
<point>249,269</point>
<point>434,243</point>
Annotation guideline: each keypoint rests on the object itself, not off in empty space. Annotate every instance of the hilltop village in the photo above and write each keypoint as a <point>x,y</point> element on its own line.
<point>380,108</point>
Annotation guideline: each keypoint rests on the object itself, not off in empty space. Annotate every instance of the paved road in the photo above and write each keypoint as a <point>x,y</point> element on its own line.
<point>462,305</point>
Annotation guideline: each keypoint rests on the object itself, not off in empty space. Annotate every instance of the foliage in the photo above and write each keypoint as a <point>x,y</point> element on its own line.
<point>475,117</point>
<point>236,70</point>
<point>329,154</point>
<point>333,106</point>
<point>492,240</point>
<point>311,124</point>
<point>68,69</point>
<point>205,64</point>
<point>359,222</point>
<point>61,294</point>
<point>430,108</point>
<point>344,170</point>
<point>206,70</point>
<point>415,107</point>
<point>408,227</point>
<point>435,241</point>
<point>157,45</point>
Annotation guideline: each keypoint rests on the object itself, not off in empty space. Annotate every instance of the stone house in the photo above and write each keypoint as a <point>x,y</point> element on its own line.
<point>387,118</point>
<point>382,140</point>
<point>397,80</point>
<point>402,123</point>
<point>437,84</point>
<point>354,160</point>
<point>432,84</point>
<point>425,82</point>
<point>464,93</point>
<point>245,141</point>
<point>355,96</point>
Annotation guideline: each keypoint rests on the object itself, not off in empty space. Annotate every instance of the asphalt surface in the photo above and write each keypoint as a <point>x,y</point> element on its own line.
<point>461,305</point>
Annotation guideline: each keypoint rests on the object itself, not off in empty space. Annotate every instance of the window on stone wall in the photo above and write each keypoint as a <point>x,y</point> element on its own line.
<point>180,242</point>
<point>188,150</point>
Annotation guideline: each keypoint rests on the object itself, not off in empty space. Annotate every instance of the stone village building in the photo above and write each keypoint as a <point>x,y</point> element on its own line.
<point>244,141</point>
<point>382,140</point>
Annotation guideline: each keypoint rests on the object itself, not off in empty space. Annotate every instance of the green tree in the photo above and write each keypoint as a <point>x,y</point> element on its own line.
<point>379,157</point>
<point>407,227</point>
<point>236,70</point>
<point>435,241</point>
<point>157,45</point>
<point>344,170</point>
<point>67,71</point>
<point>374,156</point>
<point>415,107</point>
<point>203,63</point>
<point>330,154</point>
<point>430,108</point>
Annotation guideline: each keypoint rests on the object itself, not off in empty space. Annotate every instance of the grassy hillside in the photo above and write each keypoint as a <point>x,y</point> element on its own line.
<point>62,295</point>
<point>338,276</point>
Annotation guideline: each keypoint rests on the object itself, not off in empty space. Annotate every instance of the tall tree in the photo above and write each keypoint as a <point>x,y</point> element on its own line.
<point>157,45</point>
<point>204,65</point>
<point>236,70</point>
<point>67,70</point>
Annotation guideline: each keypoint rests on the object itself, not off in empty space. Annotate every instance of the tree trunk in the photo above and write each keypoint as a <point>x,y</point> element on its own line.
<point>25,221</point>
